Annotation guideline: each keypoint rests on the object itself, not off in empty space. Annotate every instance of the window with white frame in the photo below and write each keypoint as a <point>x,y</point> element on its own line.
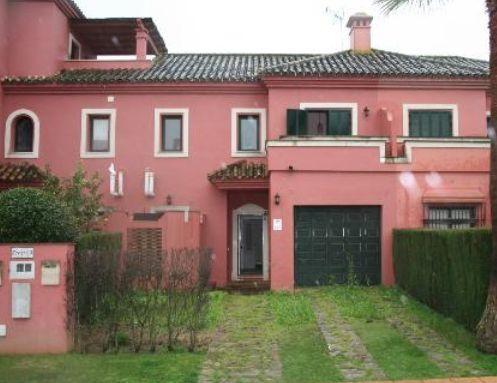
<point>171,133</point>
<point>430,120</point>
<point>248,132</point>
<point>98,133</point>
<point>74,48</point>
<point>22,135</point>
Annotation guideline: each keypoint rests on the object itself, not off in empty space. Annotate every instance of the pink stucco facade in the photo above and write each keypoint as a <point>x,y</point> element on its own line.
<point>46,328</point>
<point>376,166</point>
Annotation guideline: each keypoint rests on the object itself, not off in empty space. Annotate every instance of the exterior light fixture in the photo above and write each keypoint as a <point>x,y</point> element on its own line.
<point>366,111</point>
<point>169,200</point>
<point>277,199</point>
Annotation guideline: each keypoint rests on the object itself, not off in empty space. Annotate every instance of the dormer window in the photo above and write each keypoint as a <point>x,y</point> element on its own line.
<point>22,135</point>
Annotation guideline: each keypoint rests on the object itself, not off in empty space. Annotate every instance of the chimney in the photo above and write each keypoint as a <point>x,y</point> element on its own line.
<point>360,32</point>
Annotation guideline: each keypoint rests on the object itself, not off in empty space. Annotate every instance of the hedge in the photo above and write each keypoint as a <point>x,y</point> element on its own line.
<point>446,269</point>
<point>99,241</point>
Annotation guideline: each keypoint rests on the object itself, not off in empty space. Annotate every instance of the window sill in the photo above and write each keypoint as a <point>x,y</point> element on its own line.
<point>248,154</point>
<point>97,155</point>
<point>171,155</point>
<point>21,155</point>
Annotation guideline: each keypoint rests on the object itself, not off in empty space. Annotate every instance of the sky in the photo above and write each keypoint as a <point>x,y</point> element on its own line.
<point>447,27</point>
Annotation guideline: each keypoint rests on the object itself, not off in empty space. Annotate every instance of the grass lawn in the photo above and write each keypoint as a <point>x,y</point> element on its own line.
<point>329,334</point>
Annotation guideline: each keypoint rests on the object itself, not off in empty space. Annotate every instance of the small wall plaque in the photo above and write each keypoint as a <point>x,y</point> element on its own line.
<point>3,330</point>
<point>22,253</point>
<point>277,224</point>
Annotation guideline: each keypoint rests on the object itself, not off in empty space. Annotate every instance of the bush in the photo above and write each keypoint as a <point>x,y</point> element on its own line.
<point>446,269</point>
<point>30,215</point>
<point>99,241</point>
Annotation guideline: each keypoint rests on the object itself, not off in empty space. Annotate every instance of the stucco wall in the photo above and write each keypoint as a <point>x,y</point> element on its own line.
<point>45,331</point>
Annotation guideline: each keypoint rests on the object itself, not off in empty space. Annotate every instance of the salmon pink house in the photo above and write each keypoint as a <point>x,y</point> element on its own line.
<point>294,169</point>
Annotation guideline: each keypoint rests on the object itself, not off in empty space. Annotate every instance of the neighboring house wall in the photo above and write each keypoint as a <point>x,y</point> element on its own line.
<point>42,324</point>
<point>42,30</point>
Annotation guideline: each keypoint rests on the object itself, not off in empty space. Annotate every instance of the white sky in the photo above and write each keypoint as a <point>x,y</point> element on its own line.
<point>453,27</point>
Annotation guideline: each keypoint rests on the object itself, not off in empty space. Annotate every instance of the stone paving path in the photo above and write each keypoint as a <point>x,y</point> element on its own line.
<point>344,345</point>
<point>242,349</point>
<point>443,353</point>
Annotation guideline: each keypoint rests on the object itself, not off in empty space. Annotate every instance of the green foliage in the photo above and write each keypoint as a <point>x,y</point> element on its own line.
<point>446,269</point>
<point>99,241</point>
<point>81,195</point>
<point>30,215</point>
<point>291,309</point>
<point>391,5</point>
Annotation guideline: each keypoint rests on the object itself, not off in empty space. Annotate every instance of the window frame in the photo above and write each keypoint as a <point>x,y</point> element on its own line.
<point>9,151</point>
<point>239,131</point>
<point>15,274</point>
<point>477,217</point>
<point>354,131</point>
<point>261,112</point>
<point>85,149</point>
<point>72,40</point>
<point>158,119</point>
<point>91,140</point>
<point>427,107</point>
<point>163,129</point>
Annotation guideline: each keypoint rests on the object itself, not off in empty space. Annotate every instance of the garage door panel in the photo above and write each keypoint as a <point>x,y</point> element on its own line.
<point>330,241</point>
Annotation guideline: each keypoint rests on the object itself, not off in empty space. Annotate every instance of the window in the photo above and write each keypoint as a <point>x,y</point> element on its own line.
<point>248,132</point>
<point>171,133</point>
<point>453,216</point>
<point>22,270</point>
<point>322,120</point>
<point>99,133</point>
<point>74,48</point>
<point>22,134</point>
<point>98,130</point>
<point>430,121</point>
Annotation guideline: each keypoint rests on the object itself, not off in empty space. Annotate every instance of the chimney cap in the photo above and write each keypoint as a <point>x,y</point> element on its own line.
<point>359,19</point>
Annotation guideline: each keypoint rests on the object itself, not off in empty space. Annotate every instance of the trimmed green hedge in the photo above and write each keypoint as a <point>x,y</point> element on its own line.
<point>446,269</point>
<point>99,241</point>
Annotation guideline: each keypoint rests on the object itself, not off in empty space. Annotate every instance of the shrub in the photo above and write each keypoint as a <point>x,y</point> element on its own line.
<point>99,241</point>
<point>446,269</point>
<point>30,215</point>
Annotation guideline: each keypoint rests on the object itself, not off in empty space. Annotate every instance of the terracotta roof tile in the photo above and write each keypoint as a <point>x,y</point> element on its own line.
<point>241,170</point>
<point>207,67</point>
<point>20,173</point>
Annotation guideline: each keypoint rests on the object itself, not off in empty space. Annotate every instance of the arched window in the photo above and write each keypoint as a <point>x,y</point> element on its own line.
<point>22,134</point>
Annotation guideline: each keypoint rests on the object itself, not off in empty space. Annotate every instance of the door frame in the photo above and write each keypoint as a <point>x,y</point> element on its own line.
<point>249,209</point>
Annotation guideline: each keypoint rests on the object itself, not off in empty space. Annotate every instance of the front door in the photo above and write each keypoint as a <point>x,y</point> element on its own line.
<point>250,240</point>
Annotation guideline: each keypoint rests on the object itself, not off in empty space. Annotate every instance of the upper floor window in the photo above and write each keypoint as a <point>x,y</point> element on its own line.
<point>322,120</point>
<point>248,132</point>
<point>98,133</point>
<point>171,133</point>
<point>430,121</point>
<point>74,48</point>
<point>22,135</point>
<point>453,216</point>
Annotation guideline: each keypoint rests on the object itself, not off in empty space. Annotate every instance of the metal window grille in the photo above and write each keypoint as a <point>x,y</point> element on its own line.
<point>453,216</point>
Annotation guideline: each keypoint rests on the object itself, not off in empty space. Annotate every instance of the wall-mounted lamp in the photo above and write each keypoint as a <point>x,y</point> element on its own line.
<point>169,200</point>
<point>290,168</point>
<point>277,199</point>
<point>366,111</point>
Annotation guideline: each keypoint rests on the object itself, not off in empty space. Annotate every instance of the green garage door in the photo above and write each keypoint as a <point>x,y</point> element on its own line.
<point>333,243</point>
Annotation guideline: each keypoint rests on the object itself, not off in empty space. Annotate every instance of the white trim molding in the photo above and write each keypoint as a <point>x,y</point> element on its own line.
<point>336,105</point>
<point>235,112</point>
<point>85,114</point>
<point>449,107</point>
<point>8,147</point>
<point>173,208</point>
<point>159,112</point>
<point>249,209</point>
<point>329,141</point>
<point>69,50</point>
<point>459,142</point>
